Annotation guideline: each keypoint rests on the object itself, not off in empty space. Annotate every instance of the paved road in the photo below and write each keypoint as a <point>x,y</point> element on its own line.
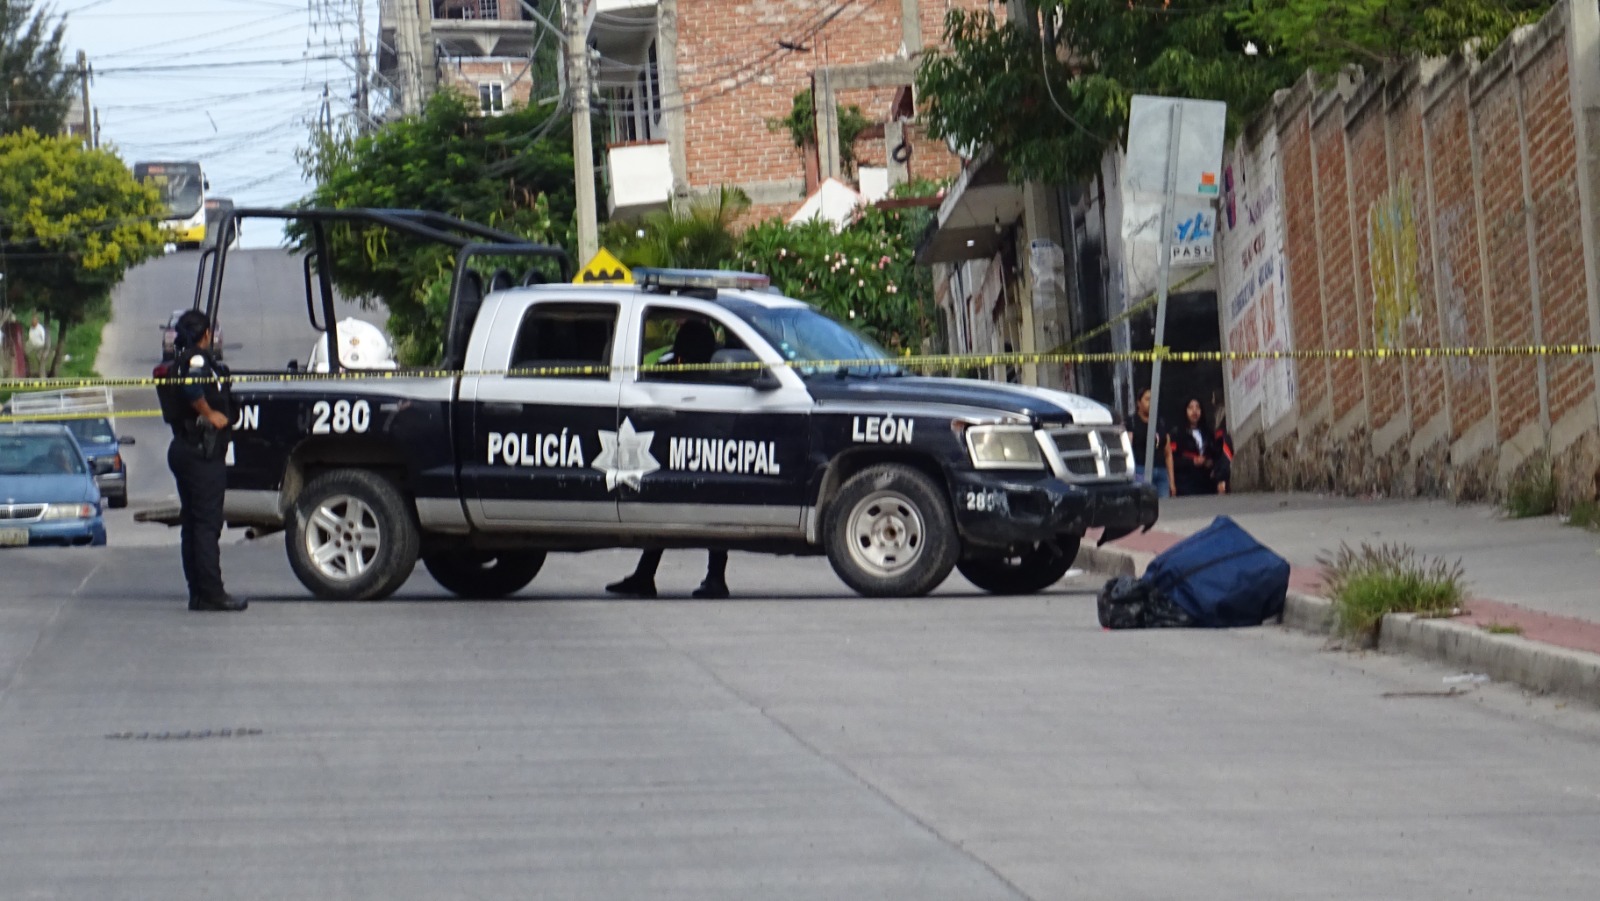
<point>264,325</point>
<point>799,743</point>
<point>794,743</point>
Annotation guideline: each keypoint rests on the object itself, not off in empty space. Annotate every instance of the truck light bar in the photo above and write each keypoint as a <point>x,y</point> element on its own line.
<point>700,278</point>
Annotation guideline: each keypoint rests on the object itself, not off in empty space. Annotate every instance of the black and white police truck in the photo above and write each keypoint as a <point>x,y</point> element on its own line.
<point>548,429</point>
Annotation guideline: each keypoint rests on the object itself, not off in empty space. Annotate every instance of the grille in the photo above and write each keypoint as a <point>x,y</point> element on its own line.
<point>15,512</point>
<point>1091,454</point>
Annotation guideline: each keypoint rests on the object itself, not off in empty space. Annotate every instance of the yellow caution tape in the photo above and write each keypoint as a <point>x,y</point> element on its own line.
<point>919,362</point>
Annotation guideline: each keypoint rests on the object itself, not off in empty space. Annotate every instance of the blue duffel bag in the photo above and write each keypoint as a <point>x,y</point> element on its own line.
<point>1221,577</point>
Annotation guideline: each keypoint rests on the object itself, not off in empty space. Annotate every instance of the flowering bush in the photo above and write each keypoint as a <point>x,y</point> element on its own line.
<point>864,274</point>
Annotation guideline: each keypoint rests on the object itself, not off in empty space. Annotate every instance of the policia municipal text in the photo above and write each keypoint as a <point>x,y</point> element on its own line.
<point>200,414</point>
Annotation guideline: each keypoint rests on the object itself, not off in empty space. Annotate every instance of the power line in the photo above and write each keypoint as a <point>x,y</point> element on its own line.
<point>234,64</point>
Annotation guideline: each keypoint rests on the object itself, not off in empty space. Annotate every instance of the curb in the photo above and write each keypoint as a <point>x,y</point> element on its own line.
<point>1504,658</point>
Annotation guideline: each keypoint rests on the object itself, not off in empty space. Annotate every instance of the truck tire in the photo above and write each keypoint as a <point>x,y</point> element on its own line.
<point>1027,573</point>
<point>889,533</point>
<point>485,575</point>
<point>352,536</point>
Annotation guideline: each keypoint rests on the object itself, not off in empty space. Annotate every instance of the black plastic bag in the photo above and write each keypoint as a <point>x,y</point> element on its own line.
<point>1129,603</point>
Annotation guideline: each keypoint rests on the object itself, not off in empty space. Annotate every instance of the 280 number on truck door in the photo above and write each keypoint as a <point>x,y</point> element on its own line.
<point>340,417</point>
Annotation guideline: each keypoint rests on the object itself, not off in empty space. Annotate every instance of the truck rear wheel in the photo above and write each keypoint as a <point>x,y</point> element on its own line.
<point>352,537</point>
<point>486,575</point>
<point>1033,570</point>
<point>889,532</point>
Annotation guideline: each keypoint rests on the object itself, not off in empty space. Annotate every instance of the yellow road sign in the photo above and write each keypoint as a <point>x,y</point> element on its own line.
<point>604,269</point>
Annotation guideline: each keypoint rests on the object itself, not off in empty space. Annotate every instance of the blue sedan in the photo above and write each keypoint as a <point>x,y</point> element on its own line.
<point>48,493</point>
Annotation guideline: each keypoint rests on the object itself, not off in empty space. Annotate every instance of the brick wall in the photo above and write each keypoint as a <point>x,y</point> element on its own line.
<point>1439,205</point>
<point>735,78</point>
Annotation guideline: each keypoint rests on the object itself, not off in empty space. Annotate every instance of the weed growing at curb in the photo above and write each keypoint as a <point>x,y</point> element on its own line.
<point>1367,582</point>
<point>1532,492</point>
<point>1585,515</point>
<point>1502,628</point>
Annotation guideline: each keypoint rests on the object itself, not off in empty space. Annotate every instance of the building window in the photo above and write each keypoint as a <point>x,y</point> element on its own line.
<point>488,9</point>
<point>491,98</point>
<point>466,9</point>
<point>636,110</point>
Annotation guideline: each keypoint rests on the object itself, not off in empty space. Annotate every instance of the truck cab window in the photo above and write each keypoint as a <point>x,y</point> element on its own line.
<point>674,335</point>
<point>559,337</point>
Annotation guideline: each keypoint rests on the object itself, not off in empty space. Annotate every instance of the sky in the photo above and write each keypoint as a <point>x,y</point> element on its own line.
<point>250,85</point>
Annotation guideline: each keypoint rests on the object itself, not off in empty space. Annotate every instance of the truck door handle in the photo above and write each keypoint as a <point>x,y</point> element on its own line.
<point>656,413</point>
<point>503,409</point>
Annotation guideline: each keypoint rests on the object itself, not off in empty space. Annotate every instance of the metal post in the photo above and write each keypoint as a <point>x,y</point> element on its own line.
<point>88,110</point>
<point>582,140</point>
<point>363,103</point>
<point>1168,213</point>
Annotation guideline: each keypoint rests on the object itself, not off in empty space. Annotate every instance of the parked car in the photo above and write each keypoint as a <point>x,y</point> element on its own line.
<point>96,434</point>
<point>169,337</point>
<point>48,494</point>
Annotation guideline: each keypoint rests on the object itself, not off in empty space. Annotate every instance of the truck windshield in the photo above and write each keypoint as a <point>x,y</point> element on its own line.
<point>802,335</point>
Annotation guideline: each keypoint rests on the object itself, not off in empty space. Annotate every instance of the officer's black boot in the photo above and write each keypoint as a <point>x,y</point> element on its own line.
<point>635,585</point>
<point>225,604</point>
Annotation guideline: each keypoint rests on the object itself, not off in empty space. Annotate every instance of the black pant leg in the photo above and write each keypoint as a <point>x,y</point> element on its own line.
<point>177,461</point>
<point>717,566</point>
<point>202,484</point>
<point>648,563</point>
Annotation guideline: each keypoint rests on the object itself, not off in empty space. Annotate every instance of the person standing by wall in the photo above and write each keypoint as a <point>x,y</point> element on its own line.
<point>1139,425</point>
<point>200,414</point>
<point>1194,453</point>
<point>38,344</point>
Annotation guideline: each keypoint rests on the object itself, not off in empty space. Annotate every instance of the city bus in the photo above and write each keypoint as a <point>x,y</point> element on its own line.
<point>183,190</point>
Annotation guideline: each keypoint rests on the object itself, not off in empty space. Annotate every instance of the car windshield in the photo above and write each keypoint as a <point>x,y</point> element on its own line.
<point>802,334</point>
<point>39,455</point>
<point>91,432</point>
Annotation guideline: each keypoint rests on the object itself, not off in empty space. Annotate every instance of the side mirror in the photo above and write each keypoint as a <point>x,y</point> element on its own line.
<point>761,379</point>
<point>126,441</point>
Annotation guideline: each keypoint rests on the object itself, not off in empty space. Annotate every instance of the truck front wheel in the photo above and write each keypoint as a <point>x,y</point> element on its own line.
<point>1030,571</point>
<point>353,537</point>
<point>483,574</point>
<point>889,533</point>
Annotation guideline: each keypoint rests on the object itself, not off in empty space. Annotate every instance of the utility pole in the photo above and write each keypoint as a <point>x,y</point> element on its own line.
<point>363,107</point>
<point>88,111</point>
<point>582,140</point>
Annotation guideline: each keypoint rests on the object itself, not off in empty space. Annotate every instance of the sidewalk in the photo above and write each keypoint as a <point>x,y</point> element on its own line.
<point>1536,574</point>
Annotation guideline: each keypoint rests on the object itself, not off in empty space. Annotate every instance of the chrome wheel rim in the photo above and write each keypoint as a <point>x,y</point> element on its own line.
<point>886,533</point>
<point>343,538</point>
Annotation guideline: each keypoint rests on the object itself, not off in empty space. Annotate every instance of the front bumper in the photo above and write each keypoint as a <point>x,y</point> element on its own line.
<point>1004,510</point>
<point>64,533</point>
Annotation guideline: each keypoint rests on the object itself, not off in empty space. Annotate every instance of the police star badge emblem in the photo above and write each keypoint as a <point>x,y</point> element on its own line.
<point>625,456</point>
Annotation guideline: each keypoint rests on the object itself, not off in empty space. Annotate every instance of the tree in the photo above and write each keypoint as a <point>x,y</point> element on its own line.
<point>512,171</point>
<point>72,222</point>
<point>35,87</point>
<point>1329,34</point>
<point>1052,102</point>
<point>699,235</point>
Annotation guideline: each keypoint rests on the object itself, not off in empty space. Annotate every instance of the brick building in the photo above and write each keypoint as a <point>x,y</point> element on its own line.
<point>688,91</point>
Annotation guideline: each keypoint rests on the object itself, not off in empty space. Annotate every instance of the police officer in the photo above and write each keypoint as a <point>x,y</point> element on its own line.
<point>200,414</point>
<point>694,343</point>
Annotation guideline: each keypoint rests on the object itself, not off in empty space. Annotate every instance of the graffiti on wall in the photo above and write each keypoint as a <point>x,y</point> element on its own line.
<point>1254,282</point>
<point>1392,262</point>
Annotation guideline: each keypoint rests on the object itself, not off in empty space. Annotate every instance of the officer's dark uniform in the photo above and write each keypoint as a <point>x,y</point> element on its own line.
<point>197,458</point>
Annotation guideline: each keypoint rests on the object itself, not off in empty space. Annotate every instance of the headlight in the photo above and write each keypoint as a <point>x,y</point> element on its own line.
<point>1004,447</point>
<point>70,511</point>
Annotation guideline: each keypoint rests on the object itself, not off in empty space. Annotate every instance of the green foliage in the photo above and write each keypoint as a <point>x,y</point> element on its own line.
<point>513,172</point>
<point>1367,583</point>
<point>36,88</point>
<point>801,123</point>
<point>698,236</point>
<point>1329,34</point>
<point>865,274</point>
<point>1585,515</point>
<point>1050,107</point>
<point>1532,492</point>
<point>1052,111</point>
<point>72,222</point>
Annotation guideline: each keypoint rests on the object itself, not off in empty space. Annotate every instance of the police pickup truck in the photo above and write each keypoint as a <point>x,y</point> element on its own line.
<point>559,424</point>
